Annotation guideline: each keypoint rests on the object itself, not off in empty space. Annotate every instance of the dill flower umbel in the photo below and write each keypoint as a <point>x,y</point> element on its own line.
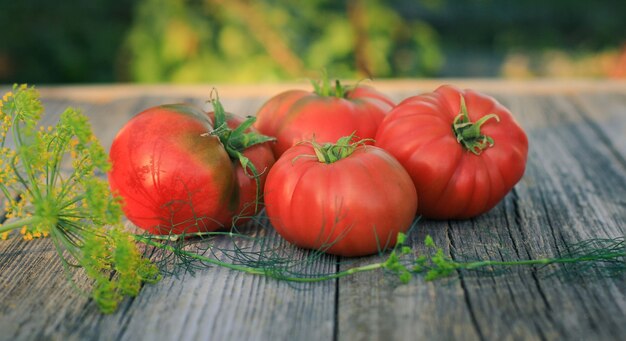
<point>52,181</point>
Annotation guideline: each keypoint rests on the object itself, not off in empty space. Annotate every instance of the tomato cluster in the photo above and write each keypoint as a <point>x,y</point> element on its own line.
<point>340,169</point>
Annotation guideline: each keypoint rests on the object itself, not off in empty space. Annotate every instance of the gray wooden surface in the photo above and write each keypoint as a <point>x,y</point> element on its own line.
<point>574,188</point>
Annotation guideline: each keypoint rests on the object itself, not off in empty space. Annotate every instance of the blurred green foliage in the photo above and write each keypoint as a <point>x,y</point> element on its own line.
<point>268,40</point>
<point>238,41</point>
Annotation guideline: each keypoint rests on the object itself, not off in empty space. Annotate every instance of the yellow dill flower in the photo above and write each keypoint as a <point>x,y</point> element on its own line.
<point>4,235</point>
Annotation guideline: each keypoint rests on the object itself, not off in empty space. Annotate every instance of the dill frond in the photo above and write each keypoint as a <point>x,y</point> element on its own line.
<point>52,183</point>
<point>604,256</point>
<point>256,252</point>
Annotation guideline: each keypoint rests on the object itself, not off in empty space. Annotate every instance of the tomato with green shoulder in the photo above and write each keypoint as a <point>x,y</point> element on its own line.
<point>179,170</point>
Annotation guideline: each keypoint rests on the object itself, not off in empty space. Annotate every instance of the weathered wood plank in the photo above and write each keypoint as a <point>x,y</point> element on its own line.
<point>223,304</point>
<point>569,193</point>
<point>377,306</point>
<point>215,303</point>
<point>572,190</point>
<point>606,113</point>
<point>37,299</point>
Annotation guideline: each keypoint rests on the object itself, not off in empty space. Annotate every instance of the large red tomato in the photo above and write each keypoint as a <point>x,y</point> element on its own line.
<point>327,114</point>
<point>463,150</point>
<point>177,173</point>
<point>348,200</point>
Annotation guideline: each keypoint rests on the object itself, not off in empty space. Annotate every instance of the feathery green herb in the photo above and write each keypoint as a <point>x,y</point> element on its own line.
<point>52,182</point>
<point>237,251</point>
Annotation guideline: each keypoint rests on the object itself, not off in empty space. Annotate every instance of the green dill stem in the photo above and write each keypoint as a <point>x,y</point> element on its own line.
<point>17,136</point>
<point>5,191</point>
<point>542,261</point>
<point>175,237</point>
<point>148,241</point>
<point>68,244</point>
<point>18,224</point>
<point>260,271</point>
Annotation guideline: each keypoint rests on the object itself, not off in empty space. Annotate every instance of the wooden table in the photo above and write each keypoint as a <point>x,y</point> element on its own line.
<point>574,188</point>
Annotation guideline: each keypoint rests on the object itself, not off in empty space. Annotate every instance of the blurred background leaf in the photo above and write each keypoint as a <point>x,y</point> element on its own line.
<point>235,41</point>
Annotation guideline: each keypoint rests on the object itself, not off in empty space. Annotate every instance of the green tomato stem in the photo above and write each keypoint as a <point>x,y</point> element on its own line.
<point>468,133</point>
<point>323,88</point>
<point>235,140</point>
<point>333,152</point>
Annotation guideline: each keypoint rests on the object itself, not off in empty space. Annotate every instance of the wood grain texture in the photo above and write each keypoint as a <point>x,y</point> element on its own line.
<point>376,306</point>
<point>605,113</point>
<point>216,303</point>
<point>405,87</point>
<point>574,188</point>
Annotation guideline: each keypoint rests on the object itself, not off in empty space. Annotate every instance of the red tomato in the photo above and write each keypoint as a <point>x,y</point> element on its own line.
<point>173,177</point>
<point>351,207</point>
<point>461,165</point>
<point>299,115</point>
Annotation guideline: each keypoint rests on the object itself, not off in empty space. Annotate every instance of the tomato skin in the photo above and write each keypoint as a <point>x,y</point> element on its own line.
<point>172,176</point>
<point>451,181</point>
<point>298,115</point>
<point>342,208</point>
<point>263,159</point>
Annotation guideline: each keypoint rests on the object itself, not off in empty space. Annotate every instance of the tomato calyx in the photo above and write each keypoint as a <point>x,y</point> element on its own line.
<point>468,133</point>
<point>324,88</point>
<point>235,141</point>
<point>333,152</point>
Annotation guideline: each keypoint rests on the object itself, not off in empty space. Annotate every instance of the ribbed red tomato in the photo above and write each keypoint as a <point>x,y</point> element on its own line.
<point>176,172</point>
<point>327,114</point>
<point>348,199</point>
<point>463,150</point>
